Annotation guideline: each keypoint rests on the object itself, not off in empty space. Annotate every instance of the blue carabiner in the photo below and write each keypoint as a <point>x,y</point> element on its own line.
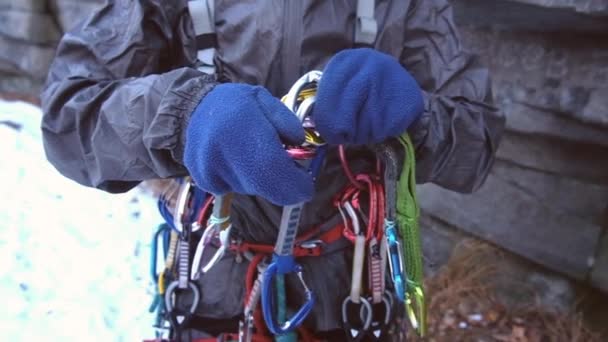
<point>276,268</point>
<point>395,261</point>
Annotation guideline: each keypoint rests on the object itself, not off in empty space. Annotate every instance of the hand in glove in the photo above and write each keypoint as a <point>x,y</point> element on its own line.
<point>234,143</point>
<point>365,97</point>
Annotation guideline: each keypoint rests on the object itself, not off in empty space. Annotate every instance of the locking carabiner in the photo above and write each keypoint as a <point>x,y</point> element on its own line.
<point>268,301</point>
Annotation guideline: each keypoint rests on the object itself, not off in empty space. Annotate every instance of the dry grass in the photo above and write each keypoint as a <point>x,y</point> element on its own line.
<point>463,306</point>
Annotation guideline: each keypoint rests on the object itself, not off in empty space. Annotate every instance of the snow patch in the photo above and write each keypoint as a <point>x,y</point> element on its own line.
<point>74,261</point>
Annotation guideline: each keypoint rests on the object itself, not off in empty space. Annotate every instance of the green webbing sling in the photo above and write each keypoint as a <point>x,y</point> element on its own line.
<point>408,213</point>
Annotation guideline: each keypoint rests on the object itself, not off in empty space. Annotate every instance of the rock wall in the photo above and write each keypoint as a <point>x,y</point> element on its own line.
<point>29,32</point>
<point>546,198</point>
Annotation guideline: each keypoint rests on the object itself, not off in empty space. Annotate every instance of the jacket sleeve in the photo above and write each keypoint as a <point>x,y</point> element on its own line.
<point>119,95</point>
<point>457,135</point>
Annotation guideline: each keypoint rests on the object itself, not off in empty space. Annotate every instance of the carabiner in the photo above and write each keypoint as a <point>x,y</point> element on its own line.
<point>181,205</point>
<point>304,110</point>
<point>377,327</point>
<point>268,301</point>
<point>291,99</point>
<point>301,153</point>
<point>395,260</point>
<point>416,308</point>
<point>179,318</point>
<point>218,222</point>
<point>283,262</point>
<point>365,315</point>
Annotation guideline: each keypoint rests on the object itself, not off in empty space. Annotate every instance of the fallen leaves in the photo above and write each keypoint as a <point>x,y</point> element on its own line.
<point>464,307</point>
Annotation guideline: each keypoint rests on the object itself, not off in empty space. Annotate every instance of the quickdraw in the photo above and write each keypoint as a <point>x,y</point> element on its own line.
<point>173,280</point>
<point>219,224</point>
<point>393,235</point>
<point>365,317</point>
<point>283,260</point>
<point>185,212</point>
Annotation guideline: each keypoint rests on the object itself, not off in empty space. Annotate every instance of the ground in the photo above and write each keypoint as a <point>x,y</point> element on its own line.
<point>469,300</point>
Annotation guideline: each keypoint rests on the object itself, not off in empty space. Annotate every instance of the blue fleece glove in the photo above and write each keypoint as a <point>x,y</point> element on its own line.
<point>365,97</point>
<point>234,143</point>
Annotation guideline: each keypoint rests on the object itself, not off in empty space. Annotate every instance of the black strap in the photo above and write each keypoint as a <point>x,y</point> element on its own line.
<point>206,41</point>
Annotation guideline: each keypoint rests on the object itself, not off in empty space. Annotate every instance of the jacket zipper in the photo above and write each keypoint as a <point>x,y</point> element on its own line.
<point>292,44</point>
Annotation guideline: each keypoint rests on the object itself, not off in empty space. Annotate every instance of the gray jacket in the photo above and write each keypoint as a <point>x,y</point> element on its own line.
<point>123,84</point>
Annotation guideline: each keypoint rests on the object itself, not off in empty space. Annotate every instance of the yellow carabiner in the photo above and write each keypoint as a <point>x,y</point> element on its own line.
<point>306,93</point>
<point>161,283</point>
<point>312,138</point>
<point>415,307</point>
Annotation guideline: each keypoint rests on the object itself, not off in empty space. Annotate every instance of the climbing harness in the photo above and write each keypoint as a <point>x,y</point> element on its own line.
<point>379,220</point>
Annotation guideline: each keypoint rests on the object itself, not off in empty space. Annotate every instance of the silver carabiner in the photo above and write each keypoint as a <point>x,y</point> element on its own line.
<point>181,205</point>
<point>181,209</point>
<point>366,319</point>
<point>179,319</point>
<point>291,99</point>
<point>377,326</point>
<point>218,222</point>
